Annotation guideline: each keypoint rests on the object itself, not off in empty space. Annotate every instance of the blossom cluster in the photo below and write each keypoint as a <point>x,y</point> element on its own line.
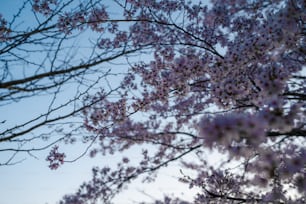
<point>46,7</point>
<point>69,21</point>
<point>233,128</point>
<point>55,158</point>
<point>4,30</point>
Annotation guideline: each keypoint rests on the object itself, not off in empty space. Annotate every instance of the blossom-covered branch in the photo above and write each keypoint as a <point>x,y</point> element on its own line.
<point>185,79</point>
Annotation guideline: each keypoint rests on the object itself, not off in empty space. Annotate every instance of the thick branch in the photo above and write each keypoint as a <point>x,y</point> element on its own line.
<point>293,132</point>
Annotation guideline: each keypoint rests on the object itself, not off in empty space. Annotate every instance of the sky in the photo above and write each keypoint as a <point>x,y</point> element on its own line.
<point>30,181</point>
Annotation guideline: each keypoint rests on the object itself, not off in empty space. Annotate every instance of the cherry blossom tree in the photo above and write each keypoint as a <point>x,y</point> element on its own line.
<point>200,78</point>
